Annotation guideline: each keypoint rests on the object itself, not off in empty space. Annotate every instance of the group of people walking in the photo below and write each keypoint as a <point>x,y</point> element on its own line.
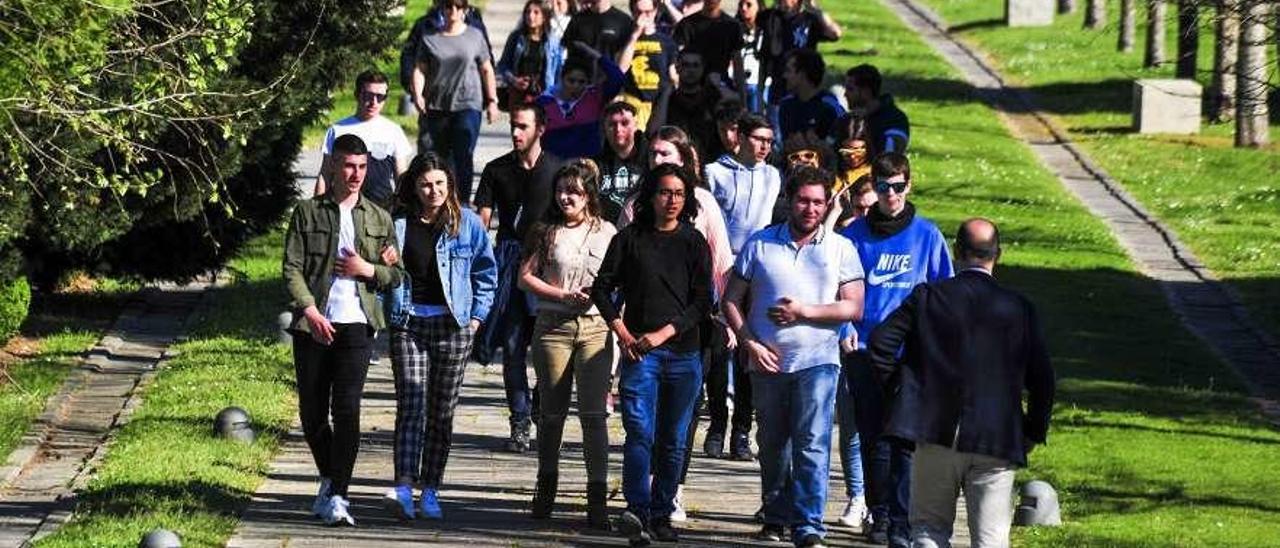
<point>648,235</point>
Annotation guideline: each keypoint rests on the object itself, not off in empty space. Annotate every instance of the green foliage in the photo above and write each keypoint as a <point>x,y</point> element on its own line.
<point>15,300</point>
<point>154,139</point>
<point>1143,407</point>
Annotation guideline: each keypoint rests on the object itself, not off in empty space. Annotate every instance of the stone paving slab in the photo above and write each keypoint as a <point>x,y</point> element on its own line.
<point>57,456</point>
<point>487,491</point>
<point>1207,307</point>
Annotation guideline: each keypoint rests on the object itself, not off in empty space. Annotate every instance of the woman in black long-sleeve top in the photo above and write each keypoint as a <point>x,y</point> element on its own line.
<point>662,266</point>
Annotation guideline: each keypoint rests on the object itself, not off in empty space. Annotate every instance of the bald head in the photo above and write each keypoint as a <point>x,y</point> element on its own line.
<point>978,243</point>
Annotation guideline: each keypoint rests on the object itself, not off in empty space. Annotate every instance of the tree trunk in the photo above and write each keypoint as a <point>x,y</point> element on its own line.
<point>1251,74</point>
<point>1128,24</point>
<point>1155,34</point>
<point>1066,6</point>
<point>1095,14</point>
<point>1222,91</point>
<point>1188,38</point>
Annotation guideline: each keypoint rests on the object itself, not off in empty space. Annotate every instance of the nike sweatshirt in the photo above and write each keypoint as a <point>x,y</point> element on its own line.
<point>894,265</point>
<point>745,194</point>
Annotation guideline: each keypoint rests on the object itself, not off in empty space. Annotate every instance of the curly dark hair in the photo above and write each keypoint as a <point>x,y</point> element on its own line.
<point>645,214</point>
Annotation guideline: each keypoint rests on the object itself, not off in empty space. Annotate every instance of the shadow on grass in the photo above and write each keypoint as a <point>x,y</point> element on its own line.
<point>260,301</point>
<point>53,313</point>
<point>1149,495</point>
<point>126,499</point>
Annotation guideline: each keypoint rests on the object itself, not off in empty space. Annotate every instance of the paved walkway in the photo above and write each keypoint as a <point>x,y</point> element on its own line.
<point>53,461</point>
<point>1206,306</point>
<point>487,491</point>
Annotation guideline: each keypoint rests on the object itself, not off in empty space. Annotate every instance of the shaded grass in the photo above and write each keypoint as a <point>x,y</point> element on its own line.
<point>1153,443</point>
<point>29,383</point>
<point>165,468</point>
<point>1223,202</point>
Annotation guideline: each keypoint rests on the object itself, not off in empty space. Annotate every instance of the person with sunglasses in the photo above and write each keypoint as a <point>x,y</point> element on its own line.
<point>389,150</point>
<point>899,250</point>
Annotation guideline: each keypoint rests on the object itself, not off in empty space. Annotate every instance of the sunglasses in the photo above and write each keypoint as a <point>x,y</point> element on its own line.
<point>802,156</point>
<point>853,151</point>
<point>882,187</point>
<point>373,97</point>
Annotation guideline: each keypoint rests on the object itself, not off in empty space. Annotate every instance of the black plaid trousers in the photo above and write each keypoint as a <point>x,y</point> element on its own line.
<point>428,359</point>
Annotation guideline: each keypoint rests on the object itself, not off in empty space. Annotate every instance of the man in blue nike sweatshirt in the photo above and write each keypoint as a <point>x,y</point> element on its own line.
<point>899,250</point>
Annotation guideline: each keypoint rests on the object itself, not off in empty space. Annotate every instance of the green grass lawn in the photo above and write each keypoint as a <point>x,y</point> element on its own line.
<point>1152,442</point>
<point>1223,202</point>
<point>60,327</point>
<point>165,467</point>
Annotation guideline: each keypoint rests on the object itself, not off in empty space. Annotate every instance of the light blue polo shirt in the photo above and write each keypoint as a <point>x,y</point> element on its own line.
<point>774,268</point>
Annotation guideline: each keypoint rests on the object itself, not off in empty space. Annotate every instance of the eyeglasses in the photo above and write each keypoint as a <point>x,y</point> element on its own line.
<point>802,156</point>
<point>371,97</point>
<point>882,187</point>
<point>673,195</point>
<point>850,151</point>
<point>762,139</point>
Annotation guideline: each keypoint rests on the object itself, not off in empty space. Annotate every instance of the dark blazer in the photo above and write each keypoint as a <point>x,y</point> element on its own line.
<point>969,347</point>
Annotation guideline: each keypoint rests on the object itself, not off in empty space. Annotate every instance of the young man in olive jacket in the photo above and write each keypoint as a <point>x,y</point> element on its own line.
<point>332,251</point>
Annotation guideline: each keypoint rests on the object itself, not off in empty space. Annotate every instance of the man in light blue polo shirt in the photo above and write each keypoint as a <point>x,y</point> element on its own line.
<point>803,282</point>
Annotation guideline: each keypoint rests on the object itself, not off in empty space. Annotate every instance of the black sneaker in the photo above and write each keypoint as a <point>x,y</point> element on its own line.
<point>714,445</point>
<point>634,529</point>
<point>879,531</point>
<point>662,531</point>
<point>771,533</point>
<point>740,446</point>
<point>519,441</point>
<point>812,540</point>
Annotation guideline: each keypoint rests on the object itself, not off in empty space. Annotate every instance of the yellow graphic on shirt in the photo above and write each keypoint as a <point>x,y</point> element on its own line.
<point>646,78</point>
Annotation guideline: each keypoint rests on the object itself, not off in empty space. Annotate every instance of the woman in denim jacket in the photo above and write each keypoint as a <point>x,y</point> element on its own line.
<point>523,65</point>
<point>433,315</point>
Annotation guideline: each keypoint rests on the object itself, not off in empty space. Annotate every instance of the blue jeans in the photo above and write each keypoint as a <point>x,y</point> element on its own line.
<point>658,395</point>
<point>793,413</point>
<point>850,442</point>
<point>887,462</point>
<point>453,136</point>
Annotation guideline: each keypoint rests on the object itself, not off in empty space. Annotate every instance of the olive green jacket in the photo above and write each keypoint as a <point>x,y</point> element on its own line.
<point>311,248</point>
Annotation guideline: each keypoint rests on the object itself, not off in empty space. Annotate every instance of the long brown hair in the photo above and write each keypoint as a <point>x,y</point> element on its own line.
<point>407,202</point>
<point>583,173</point>
<point>688,151</point>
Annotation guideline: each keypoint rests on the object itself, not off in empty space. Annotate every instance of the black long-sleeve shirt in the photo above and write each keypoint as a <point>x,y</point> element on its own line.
<point>665,278</point>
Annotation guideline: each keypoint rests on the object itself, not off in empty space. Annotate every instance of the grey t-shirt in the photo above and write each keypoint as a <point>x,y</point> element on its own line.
<point>453,80</point>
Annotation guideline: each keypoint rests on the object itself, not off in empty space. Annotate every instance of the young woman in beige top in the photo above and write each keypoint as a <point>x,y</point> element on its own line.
<point>570,340</point>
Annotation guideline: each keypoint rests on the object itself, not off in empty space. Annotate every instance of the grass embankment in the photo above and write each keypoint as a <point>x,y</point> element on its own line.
<point>1222,201</point>
<point>1152,441</point>
<point>60,327</point>
<point>165,467</point>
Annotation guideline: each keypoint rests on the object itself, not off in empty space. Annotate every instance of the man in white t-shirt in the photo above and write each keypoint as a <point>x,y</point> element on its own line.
<point>389,150</point>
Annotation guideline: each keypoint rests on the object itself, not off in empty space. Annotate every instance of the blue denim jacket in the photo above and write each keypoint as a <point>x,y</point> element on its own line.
<point>469,281</point>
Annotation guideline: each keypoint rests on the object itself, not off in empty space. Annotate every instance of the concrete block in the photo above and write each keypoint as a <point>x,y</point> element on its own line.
<point>1029,13</point>
<point>1166,106</point>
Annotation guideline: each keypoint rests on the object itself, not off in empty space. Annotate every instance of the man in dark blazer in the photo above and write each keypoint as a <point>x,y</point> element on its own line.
<point>954,359</point>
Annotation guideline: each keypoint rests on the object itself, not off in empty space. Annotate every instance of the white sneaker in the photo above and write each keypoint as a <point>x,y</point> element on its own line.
<point>336,512</point>
<point>854,512</point>
<point>322,497</point>
<point>678,514</point>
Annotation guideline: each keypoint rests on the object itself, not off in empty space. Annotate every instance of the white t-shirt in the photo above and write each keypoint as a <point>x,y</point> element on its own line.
<point>386,142</point>
<point>343,305</point>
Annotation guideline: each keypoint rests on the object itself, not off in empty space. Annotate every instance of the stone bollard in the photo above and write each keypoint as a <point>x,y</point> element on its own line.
<point>160,538</point>
<point>283,321</point>
<point>1166,106</point>
<point>233,423</point>
<point>1029,13</point>
<point>1038,505</point>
